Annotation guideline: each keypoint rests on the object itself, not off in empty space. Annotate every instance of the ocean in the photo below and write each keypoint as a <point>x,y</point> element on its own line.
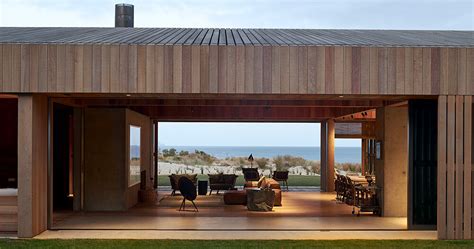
<point>342,154</point>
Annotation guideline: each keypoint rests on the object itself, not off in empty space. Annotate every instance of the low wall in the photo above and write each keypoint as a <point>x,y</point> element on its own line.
<point>8,210</point>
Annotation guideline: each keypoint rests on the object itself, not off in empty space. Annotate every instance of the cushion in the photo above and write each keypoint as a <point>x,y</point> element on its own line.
<point>271,183</point>
<point>261,181</point>
<point>250,184</point>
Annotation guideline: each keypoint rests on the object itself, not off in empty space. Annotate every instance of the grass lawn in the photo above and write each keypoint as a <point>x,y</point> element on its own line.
<point>273,244</point>
<point>293,180</point>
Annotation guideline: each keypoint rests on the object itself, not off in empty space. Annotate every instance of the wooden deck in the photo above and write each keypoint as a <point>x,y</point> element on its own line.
<point>301,211</point>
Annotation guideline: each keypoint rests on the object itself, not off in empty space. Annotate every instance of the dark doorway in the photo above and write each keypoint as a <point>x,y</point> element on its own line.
<point>63,131</point>
<point>423,164</point>
<point>8,143</point>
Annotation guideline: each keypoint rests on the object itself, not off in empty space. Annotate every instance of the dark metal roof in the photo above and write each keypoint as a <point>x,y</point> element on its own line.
<point>189,36</point>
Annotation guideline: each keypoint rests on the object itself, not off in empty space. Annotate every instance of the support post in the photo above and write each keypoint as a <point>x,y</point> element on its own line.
<point>32,165</point>
<point>327,155</point>
<point>363,156</point>
<point>324,155</point>
<point>155,154</point>
<point>330,150</point>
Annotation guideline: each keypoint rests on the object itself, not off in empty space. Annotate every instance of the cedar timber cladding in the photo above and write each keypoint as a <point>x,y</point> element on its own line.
<point>454,217</point>
<point>269,61</point>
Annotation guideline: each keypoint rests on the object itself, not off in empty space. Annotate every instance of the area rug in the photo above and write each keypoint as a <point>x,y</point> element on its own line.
<point>215,200</point>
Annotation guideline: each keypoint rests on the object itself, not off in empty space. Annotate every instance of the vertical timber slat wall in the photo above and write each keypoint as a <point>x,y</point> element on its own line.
<point>104,68</point>
<point>455,167</point>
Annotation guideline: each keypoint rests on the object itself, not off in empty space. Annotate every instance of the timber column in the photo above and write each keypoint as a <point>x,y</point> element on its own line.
<point>327,155</point>
<point>32,164</point>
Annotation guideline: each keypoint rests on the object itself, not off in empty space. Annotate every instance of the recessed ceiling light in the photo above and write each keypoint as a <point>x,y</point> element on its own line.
<point>128,95</point>
<point>341,96</point>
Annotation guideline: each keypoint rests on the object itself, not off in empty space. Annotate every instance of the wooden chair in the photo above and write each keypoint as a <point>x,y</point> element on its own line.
<point>338,186</point>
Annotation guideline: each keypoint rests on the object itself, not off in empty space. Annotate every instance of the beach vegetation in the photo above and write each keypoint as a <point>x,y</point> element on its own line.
<point>207,163</point>
<point>262,162</point>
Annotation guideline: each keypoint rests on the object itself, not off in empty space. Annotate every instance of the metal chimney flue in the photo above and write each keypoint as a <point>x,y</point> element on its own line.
<point>124,15</point>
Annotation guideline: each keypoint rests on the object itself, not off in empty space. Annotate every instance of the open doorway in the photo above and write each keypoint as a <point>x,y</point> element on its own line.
<point>285,151</point>
<point>8,163</point>
<point>63,158</point>
<point>302,201</point>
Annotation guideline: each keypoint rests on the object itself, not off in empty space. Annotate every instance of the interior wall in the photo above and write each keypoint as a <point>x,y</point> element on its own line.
<point>144,122</point>
<point>104,156</point>
<point>396,162</point>
<point>392,168</point>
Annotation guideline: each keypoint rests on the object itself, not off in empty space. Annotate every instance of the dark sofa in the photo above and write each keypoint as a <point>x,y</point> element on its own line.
<point>222,182</point>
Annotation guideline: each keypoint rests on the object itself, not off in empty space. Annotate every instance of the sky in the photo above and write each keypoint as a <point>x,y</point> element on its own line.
<point>244,134</point>
<point>317,14</point>
<point>325,14</point>
<point>135,132</point>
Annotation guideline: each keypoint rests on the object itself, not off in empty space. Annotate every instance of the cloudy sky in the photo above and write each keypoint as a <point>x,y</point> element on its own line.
<point>330,14</point>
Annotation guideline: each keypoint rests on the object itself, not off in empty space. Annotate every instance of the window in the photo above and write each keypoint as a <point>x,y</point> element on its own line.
<point>134,165</point>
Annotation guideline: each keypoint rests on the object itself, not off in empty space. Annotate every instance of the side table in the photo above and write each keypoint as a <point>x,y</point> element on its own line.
<point>260,199</point>
<point>202,187</point>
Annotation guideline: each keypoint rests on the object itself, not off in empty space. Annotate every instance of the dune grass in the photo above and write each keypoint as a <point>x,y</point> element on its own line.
<point>293,180</point>
<point>156,244</point>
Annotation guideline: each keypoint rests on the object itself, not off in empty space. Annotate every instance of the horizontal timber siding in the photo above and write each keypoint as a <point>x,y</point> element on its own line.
<point>8,214</point>
<point>29,68</point>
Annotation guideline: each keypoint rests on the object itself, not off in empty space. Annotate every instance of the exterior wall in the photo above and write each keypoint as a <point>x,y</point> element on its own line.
<point>57,68</point>
<point>391,170</point>
<point>32,164</point>
<point>104,156</point>
<point>455,188</point>
<point>107,158</point>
